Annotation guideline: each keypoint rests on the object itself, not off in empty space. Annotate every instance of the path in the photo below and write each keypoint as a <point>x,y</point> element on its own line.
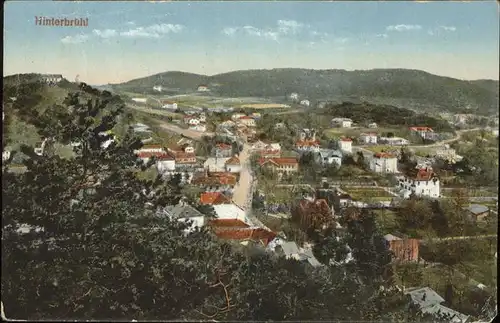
<point>243,191</point>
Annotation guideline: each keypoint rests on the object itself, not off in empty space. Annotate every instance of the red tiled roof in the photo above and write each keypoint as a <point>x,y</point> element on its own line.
<point>424,174</point>
<point>279,161</point>
<point>303,143</point>
<point>257,234</point>
<point>345,139</point>
<point>214,198</point>
<point>383,155</point>
<point>223,146</point>
<point>421,128</point>
<point>158,155</point>
<point>215,179</point>
<point>233,161</point>
<point>228,223</point>
<point>246,117</point>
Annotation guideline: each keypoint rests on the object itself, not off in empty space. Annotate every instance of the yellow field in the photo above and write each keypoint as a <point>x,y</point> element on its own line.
<point>265,106</point>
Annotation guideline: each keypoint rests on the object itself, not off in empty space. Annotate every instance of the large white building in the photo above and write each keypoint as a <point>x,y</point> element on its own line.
<point>305,103</point>
<point>384,163</point>
<point>345,145</point>
<point>342,122</point>
<point>424,183</point>
<point>328,157</point>
<point>394,141</point>
<point>169,105</point>
<point>368,138</point>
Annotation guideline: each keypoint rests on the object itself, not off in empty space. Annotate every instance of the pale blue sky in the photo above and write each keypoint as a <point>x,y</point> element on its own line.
<point>127,40</point>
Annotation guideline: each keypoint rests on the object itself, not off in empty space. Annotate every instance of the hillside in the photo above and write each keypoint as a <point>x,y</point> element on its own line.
<point>412,89</point>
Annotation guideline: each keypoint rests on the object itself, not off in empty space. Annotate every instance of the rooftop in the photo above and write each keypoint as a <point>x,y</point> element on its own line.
<point>424,296</point>
<point>384,155</point>
<point>233,161</point>
<point>212,198</point>
<point>228,223</point>
<point>279,161</point>
<point>477,209</point>
<point>180,211</point>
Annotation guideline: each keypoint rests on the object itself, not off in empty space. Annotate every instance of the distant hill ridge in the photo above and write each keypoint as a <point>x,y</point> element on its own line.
<point>402,87</point>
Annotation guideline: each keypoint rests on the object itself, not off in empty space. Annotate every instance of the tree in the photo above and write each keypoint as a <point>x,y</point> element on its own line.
<point>330,247</point>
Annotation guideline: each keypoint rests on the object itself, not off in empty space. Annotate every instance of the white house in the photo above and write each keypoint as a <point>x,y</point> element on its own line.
<point>199,127</point>
<point>345,145</point>
<point>157,88</point>
<point>165,163</point>
<point>305,103</point>
<point>421,131</point>
<point>170,105</point>
<point>237,116</point>
<point>328,157</point>
<point>192,121</point>
<point>203,88</point>
<point>184,213</point>
<point>384,163</point>
<point>448,154</point>
<point>309,145</point>
<point>140,100</point>
<point>247,121</point>
<point>424,183</point>
<point>216,164</point>
<point>373,125</point>
<point>52,78</point>
<point>394,141</point>
<point>294,96</point>
<point>150,148</point>
<point>231,211</point>
<point>368,138</point>
<point>202,117</point>
<point>342,122</point>
<point>5,155</point>
<point>233,165</point>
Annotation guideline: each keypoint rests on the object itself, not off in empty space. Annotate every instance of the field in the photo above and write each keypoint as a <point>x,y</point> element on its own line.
<point>356,131</point>
<point>265,106</point>
<point>368,193</point>
<point>448,192</point>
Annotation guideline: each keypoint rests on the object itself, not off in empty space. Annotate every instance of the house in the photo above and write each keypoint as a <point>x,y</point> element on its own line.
<point>272,150</point>
<point>422,182</point>
<point>216,164</point>
<point>237,116</point>
<point>233,165</point>
<point>231,212</point>
<point>402,249</point>
<point>368,138</point>
<point>157,88</point>
<point>345,145</point>
<point>241,231</point>
<point>448,154</point>
<point>342,122</point>
<point>140,100</point>
<point>181,147</point>
<point>5,155</point>
<point>303,146</point>
<point>477,212</point>
<point>313,213</point>
<point>305,103</point>
<point>421,131</point>
<point>52,78</point>
<point>199,127</point>
<point>394,141</point>
<point>222,150</point>
<point>215,181</point>
<point>328,157</point>
<point>430,302</point>
<point>373,125</point>
<point>256,115</point>
<point>191,120</point>
<point>384,163</point>
<point>214,198</point>
<point>228,124</point>
<point>281,165</point>
<point>170,105</point>
<point>203,88</point>
<point>247,121</point>
<point>294,96</point>
<point>307,135</point>
<point>289,249</point>
<point>184,213</point>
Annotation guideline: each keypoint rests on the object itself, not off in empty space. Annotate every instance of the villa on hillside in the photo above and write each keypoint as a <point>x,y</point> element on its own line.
<point>421,182</point>
<point>384,163</point>
<point>342,122</point>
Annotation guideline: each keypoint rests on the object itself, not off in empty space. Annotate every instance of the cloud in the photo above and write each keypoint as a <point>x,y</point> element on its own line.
<point>341,40</point>
<point>448,28</point>
<point>131,23</point>
<point>77,39</point>
<point>382,36</point>
<point>282,28</point>
<point>153,31</point>
<point>289,26</point>
<point>107,33</point>
<point>403,27</point>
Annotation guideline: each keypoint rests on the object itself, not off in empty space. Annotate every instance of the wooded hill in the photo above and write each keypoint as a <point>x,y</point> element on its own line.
<point>401,87</point>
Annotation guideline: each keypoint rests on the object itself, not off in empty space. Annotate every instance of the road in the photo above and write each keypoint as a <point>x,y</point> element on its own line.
<point>243,191</point>
<point>484,236</point>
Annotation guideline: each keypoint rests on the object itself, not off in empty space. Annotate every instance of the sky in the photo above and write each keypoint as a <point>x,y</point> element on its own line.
<point>128,40</point>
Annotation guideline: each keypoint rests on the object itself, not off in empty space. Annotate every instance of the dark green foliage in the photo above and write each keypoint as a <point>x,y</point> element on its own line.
<point>385,115</point>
